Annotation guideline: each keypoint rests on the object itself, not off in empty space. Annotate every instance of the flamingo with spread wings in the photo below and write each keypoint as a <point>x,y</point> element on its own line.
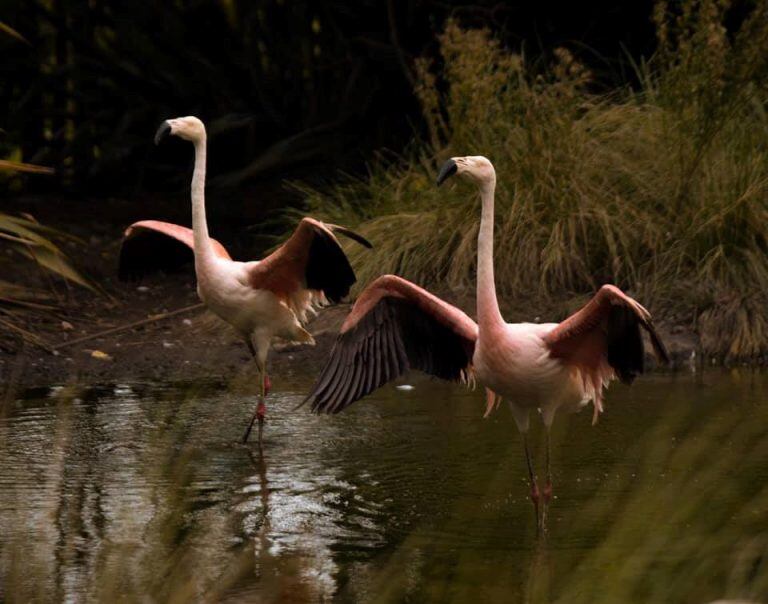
<point>262,299</point>
<point>396,326</point>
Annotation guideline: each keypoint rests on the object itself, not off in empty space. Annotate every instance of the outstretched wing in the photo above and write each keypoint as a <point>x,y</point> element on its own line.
<point>607,330</point>
<point>151,245</point>
<point>311,262</point>
<point>394,326</point>
<point>603,340</point>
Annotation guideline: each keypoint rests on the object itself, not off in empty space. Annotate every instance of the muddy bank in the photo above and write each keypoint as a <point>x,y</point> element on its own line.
<point>188,345</point>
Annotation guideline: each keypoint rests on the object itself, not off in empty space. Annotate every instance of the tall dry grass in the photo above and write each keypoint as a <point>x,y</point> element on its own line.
<point>660,190</point>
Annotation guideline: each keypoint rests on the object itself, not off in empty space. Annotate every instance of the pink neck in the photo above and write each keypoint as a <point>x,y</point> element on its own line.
<point>488,314</point>
<point>203,247</point>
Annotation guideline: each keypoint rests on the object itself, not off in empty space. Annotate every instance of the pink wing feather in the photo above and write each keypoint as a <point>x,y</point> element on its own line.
<point>602,341</point>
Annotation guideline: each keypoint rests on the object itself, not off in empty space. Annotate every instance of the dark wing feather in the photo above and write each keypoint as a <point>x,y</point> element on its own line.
<point>150,252</point>
<point>391,338</point>
<point>351,234</point>
<point>624,344</point>
<point>608,327</point>
<point>328,268</point>
<point>152,245</point>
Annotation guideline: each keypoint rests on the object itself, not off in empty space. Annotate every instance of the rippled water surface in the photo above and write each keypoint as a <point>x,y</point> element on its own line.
<point>142,491</point>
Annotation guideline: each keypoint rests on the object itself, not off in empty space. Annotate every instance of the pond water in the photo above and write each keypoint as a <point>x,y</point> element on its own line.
<point>141,491</point>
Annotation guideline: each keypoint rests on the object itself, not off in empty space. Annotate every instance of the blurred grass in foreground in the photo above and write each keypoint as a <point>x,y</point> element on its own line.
<point>137,493</point>
<point>661,190</point>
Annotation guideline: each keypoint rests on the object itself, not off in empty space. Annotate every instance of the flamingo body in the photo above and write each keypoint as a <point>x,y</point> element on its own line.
<point>395,326</point>
<point>516,365</point>
<point>261,299</point>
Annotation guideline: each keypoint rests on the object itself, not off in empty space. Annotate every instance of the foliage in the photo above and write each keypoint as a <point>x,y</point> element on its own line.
<point>23,237</point>
<point>300,86</point>
<point>661,190</point>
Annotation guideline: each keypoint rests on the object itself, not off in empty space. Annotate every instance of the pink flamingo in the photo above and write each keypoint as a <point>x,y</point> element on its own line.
<point>395,326</point>
<point>261,299</point>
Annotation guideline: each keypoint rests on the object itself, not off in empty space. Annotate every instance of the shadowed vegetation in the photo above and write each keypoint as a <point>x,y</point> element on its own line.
<point>25,241</point>
<point>660,189</point>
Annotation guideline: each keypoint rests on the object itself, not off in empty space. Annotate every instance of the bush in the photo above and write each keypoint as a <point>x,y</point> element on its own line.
<point>660,190</point>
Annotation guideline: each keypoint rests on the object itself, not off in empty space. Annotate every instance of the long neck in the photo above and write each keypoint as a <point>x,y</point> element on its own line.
<point>203,247</point>
<point>488,314</point>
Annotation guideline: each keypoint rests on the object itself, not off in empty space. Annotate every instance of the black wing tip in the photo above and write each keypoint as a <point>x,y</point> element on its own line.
<point>352,235</point>
<point>328,269</point>
<point>659,348</point>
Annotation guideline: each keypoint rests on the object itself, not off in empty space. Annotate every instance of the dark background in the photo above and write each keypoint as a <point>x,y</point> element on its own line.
<point>290,90</point>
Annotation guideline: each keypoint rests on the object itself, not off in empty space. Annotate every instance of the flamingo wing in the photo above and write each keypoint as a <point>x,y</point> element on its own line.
<point>152,245</point>
<point>394,326</point>
<point>310,263</point>
<point>603,338</point>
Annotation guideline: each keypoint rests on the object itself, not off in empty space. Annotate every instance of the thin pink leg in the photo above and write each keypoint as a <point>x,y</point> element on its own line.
<point>547,492</point>
<point>535,495</point>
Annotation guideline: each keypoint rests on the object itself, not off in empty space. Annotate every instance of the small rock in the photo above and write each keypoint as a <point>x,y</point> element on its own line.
<point>142,288</point>
<point>168,344</point>
<point>405,387</point>
<point>187,322</point>
<point>101,355</point>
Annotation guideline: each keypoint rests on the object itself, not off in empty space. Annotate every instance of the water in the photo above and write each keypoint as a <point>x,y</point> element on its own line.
<point>142,490</point>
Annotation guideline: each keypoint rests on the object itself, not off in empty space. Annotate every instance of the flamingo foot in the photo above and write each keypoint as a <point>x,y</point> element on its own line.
<point>547,492</point>
<point>261,411</point>
<point>535,495</point>
<point>535,498</point>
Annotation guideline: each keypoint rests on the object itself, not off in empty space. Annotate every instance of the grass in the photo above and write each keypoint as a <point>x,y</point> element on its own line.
<point>134,492</point>
<point>23,239</point>
<point>660,189</point>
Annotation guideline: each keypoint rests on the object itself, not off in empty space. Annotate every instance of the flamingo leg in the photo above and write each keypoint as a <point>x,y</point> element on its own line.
<point>532,478</point>
<point>547,493</point>
<point>261,408</point>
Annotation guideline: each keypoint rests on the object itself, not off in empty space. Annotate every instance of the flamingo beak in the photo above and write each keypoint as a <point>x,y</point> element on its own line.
<point>449,169</point>
<point>162,132</point>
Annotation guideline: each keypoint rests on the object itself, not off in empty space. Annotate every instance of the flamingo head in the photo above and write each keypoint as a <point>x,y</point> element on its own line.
<point>476,167</point>
<point>188,128</point>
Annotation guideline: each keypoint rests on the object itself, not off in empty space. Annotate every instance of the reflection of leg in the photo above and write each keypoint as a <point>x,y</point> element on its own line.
<point>539,576</point>
<point>547,492</point>
<point>261,408</point>
<point>532,479</point>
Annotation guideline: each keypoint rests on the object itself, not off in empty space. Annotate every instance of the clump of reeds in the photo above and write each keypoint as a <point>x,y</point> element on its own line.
<point>22,237</point>
<point>660,190</point>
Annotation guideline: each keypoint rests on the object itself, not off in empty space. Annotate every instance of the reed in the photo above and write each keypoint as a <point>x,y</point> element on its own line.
<point>660,189</point>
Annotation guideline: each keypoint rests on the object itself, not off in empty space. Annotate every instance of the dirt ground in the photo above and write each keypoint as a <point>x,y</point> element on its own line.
<point>187,345</point>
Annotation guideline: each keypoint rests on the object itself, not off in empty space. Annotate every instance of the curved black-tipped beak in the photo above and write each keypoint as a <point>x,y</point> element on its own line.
<point>449,169</point>
<point>162,132</point>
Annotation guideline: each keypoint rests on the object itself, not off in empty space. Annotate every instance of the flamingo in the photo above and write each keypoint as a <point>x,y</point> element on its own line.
<point>261,299</point>
<point>396,325</point>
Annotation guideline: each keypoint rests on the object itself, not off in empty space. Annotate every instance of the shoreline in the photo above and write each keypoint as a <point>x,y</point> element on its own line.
<point>190,345</point>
